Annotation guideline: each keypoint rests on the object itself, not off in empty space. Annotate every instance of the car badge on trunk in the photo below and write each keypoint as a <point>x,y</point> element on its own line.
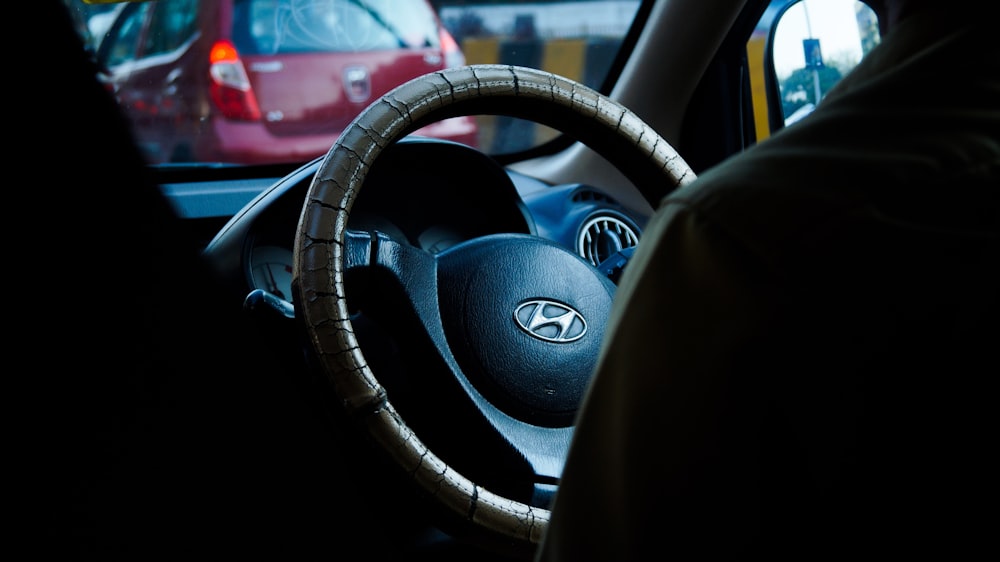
<point>550,321</point>
<point>357,83</point>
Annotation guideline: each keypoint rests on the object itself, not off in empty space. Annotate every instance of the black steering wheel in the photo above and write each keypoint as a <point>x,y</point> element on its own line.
<point>509,324</point>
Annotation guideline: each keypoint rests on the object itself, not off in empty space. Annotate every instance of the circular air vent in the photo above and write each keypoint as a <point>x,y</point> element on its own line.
<point>603,235</point>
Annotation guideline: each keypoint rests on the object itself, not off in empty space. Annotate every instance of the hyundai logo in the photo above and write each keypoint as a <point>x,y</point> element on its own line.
<point>357,83</point>
<point>550,321</point>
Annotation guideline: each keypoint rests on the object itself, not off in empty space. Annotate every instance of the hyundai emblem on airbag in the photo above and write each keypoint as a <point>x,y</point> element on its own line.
<point>550,321</point>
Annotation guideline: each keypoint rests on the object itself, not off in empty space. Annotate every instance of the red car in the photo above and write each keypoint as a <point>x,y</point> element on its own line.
<point>265,81</point>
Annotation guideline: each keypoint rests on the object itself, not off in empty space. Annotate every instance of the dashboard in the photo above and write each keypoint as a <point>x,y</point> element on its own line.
<point>429,194</point>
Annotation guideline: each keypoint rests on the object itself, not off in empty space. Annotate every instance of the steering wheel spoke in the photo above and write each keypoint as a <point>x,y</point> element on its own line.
<point>415,273</point>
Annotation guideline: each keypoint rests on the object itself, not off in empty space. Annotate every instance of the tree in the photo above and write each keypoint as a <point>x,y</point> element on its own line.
<point>799,88</point>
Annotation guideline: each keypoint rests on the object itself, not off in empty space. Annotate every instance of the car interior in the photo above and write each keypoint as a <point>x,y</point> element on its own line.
<point>316,359</point>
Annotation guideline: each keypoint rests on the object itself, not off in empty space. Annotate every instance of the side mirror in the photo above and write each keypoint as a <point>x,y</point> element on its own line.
<point>803,48</point>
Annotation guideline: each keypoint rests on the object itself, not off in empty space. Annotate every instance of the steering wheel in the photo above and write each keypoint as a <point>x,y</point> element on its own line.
<point>510,323</point>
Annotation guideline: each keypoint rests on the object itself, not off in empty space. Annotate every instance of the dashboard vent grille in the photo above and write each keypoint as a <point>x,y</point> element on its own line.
<point>603,235</point>
<point>588,195</point>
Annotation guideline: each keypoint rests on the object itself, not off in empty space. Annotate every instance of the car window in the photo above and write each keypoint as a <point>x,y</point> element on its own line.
<point>123,44</point>
<point>292,26</point>
<point>274,81</point>
<point>170,29</point>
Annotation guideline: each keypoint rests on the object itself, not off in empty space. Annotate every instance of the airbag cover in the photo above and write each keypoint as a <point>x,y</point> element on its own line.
<point>524,318</point>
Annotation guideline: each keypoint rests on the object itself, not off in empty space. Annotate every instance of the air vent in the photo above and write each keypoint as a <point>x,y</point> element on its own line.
<point>590,196</point>
<point>603,235</point>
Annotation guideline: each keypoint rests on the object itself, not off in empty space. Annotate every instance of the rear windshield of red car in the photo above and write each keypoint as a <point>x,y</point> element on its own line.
<point>262,27</point>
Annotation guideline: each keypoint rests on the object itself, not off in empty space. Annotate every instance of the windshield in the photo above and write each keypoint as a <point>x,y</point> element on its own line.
<point>277,81</point>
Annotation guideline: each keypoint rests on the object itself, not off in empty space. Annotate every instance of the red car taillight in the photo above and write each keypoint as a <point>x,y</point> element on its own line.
<point>230,87</point>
